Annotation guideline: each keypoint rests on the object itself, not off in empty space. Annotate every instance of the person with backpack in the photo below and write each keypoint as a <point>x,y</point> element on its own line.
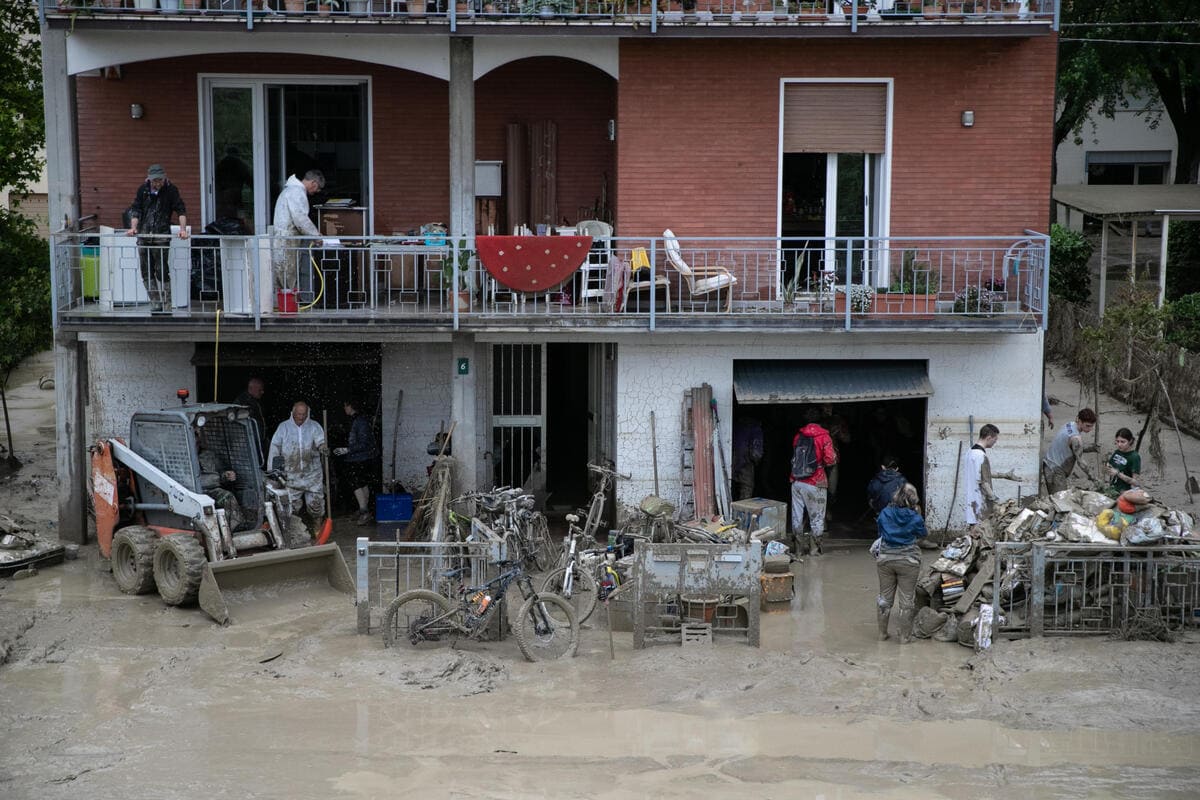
<point>812,451</point>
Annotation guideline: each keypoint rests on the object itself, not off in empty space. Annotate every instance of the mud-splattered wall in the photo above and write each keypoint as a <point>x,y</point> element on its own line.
<point>994,378</point>
<point>423,372</point>
<point>124,377</point>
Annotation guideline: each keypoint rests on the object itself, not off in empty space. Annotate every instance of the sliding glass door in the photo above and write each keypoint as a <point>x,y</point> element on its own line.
<point>257,132</point>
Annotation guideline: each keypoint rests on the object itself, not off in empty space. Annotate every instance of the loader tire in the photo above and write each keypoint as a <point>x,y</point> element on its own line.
<point>295,534</point>
<point>178,566</point>
<point>133,559</point>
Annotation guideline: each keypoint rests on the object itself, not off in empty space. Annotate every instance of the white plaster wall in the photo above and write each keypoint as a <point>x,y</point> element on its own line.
<point>124,377</point>
<point>995,378</point>
<point>1128,130</point>
<point>423,371</point>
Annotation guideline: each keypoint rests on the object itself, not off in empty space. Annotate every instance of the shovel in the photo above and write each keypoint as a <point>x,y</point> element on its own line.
<point>327,527</point>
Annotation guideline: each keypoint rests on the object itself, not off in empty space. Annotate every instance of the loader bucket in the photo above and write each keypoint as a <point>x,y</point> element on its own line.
<point>241,584</point>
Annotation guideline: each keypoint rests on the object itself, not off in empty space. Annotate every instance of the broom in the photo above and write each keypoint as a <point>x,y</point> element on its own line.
<point>327,527</point>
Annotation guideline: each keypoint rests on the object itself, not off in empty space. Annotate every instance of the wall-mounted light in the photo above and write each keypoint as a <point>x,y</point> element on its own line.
<point>968,119</point>
<point>612,130</point>
<point>136,111</point>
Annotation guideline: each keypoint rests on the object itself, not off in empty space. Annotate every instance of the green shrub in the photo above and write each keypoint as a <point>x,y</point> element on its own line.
<point>1070,277</point>
<point>25,300</point>
<point>1184,326</point>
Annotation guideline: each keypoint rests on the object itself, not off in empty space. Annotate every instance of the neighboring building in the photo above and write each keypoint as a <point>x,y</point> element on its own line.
<point>788,156</point>
<point>34,204</point>
<point>1123,150</point>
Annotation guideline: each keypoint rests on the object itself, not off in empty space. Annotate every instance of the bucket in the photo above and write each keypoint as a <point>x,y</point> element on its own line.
<point>285,301</point>
<point>699,609</point>
<point>89,264</point>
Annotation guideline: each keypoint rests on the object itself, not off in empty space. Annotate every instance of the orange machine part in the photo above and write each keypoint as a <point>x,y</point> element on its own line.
<point>104,496</point>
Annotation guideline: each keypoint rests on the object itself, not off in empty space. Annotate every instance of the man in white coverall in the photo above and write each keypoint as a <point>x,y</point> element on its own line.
<point>291,220</point>
<point>301,442</point>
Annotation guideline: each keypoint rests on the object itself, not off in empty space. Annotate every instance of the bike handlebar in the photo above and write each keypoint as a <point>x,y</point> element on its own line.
<point>603,470</point>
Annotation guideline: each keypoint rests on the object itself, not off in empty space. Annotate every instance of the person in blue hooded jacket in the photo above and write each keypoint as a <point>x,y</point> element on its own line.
<point>898,560</point>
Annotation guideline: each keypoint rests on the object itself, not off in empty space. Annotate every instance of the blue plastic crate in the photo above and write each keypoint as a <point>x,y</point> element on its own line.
<point>393,507</point>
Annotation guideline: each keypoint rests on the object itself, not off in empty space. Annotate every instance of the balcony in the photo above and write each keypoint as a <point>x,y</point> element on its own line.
<point>643,17</point>
<point>431,284</point>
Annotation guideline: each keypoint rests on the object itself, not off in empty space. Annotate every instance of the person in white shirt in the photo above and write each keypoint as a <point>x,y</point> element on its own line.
<point>291,220</point>
<point>980,499</point>
<point>300,443</point>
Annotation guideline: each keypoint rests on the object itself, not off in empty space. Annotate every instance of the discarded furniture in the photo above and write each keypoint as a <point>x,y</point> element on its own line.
<point>701,281</point>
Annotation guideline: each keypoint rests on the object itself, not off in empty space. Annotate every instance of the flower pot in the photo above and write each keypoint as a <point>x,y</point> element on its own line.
<point>324,10</point>
<point>462,301</point>
<point>931,10</point>
<point>293,6</point>
<point>356,8</point>
<point>954,9</point>
<point>191,5</point>
<point>416,8</point>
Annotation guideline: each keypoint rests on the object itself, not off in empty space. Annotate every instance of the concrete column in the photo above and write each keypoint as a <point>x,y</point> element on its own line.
<point>70,447</point>
<point>58,94</point>
<point>466,370</point>
<point>462,137</point>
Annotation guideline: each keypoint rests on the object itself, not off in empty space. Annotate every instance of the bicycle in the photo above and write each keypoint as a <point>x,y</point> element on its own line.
<point>511,509</point>
<point>546,627</point>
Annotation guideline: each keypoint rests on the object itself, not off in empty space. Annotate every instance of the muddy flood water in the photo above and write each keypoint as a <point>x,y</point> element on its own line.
<point>104,695</point>
<point>109,696</point>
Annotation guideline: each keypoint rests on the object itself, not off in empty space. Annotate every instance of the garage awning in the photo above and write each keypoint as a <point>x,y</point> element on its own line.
<point>762,382</point>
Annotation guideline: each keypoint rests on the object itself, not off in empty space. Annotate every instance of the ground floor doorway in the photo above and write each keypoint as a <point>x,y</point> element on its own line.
<point>552,412</point>
<point>865,429</point>
<point>324,375</point>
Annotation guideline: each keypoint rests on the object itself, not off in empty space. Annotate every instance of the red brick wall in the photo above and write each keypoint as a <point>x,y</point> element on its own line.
<point>698,134</point>
<point>411,130</point>
<point>578,97</point>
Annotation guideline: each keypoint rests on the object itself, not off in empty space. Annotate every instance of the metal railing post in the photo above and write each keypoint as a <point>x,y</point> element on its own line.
<point>255,294</point>
<point>1037,589</point>
<point>653,278</point>
<point>362,583</point>
<point>849,285</point>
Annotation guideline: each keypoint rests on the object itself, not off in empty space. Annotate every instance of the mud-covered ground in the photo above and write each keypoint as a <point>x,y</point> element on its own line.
<point>109,696</point>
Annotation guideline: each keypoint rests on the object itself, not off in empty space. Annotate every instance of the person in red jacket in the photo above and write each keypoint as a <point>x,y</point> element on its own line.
<point>812,451</point>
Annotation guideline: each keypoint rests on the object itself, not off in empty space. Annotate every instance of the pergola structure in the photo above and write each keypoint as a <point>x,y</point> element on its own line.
<point>1131,204</point>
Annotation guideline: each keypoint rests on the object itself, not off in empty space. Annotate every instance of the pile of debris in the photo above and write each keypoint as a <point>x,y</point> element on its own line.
<point>22,550</point>
<point>955,591</point>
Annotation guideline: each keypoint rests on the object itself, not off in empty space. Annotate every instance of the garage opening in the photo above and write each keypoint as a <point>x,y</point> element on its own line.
<point>872,409</point>
<point>324,375</point>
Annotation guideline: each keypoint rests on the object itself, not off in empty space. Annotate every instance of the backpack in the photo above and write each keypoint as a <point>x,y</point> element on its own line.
<point>804,457</point>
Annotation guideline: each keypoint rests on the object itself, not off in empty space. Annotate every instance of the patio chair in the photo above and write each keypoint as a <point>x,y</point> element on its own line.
<point>639,280</point>
<point>701,280</point>
<point>593,273</point>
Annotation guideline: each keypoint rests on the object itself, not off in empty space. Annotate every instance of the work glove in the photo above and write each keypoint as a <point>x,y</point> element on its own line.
<point>341,451</point>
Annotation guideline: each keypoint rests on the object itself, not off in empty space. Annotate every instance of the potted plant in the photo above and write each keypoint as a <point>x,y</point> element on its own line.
<point>357,8</point>
<point>456,275</point>
<point>416,8</point>
<point>294,6</point>
<point>931,9</point>
<point>811,10</point>
<point>326,7</point>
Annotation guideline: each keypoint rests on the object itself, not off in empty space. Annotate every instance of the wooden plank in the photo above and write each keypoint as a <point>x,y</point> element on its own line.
<point>982,578</point>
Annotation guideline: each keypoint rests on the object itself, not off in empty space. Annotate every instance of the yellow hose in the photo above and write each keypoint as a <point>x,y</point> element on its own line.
<point>216,353</point>
<point>320,275</point>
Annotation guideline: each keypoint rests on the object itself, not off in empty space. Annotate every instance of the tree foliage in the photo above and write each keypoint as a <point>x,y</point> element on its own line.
<point>1138,48</point>
<point>1070,276</point>
<point>1183,328</point>
<point>25,299</point>
<point>22,126</point>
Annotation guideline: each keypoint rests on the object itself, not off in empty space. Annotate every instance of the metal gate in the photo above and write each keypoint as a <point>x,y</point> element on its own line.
<point>518,412</point>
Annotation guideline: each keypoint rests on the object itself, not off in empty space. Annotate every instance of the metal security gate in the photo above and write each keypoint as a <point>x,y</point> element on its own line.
<point>518,412</point>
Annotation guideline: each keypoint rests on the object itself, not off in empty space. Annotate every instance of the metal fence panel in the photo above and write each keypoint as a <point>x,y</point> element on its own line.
<point>1079,589</point>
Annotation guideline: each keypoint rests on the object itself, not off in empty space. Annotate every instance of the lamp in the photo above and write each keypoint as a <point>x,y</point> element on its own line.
<point>136,111</point>
<point>968,119</point>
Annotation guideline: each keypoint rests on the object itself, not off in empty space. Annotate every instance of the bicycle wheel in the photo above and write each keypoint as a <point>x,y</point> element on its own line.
<point>582,596</point>
<point>418,616</point>
<point>546,628</point>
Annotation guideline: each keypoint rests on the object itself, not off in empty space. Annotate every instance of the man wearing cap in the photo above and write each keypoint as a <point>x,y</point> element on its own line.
<point>291,220</point>
<point>150,220</point>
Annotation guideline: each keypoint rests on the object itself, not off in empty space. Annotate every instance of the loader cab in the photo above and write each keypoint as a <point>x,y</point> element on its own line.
<point>172,439</point>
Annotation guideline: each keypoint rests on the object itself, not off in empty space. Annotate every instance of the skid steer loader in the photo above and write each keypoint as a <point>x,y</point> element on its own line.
<point>161,529</point>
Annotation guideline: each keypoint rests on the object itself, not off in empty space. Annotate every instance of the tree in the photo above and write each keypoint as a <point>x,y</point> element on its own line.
<point>24,302</point>
<point>22,125</point>
<point>1113,48</point>
<point>24,258</point>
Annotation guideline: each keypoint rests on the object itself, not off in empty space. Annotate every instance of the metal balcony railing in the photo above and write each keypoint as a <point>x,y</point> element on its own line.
<point>625,281</point>
<point>647,13</point>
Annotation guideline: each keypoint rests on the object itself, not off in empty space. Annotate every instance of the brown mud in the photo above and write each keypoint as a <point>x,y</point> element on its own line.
<point>109,696</point>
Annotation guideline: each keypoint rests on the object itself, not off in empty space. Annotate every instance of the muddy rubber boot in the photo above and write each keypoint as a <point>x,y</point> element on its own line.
<point>803,544</point>
<point>882,618</point>
<point>905,627</point>
<point>815,547</point>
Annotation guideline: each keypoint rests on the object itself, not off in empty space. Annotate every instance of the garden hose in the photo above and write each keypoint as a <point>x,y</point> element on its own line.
<point>321,291</point>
